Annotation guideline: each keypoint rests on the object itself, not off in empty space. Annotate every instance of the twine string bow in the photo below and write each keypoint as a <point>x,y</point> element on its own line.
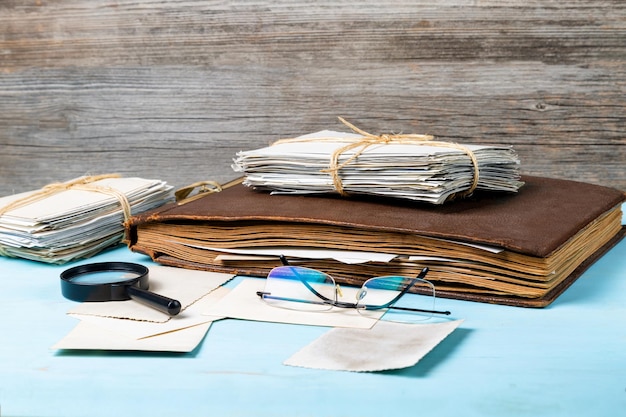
<point>368,139</point>
<point>82,183</point>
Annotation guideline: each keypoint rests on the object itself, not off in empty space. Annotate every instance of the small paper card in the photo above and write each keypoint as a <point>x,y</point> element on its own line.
<point>385,346</point>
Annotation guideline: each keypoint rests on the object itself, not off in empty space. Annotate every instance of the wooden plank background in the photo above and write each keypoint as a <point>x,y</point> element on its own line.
<point>173,89</point>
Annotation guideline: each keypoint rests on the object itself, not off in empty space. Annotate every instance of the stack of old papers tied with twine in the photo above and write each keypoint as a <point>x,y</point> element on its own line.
<point>410,166</point>
<point>74,219</point>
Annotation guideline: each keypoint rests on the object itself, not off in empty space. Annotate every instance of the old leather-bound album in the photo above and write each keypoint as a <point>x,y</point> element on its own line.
<point>521,248</point>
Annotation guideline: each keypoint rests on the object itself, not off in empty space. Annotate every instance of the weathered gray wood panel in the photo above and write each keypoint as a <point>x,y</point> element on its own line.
<point>172,89</point>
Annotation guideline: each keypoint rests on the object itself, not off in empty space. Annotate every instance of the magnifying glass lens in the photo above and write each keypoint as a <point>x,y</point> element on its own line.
<point>103,277</point>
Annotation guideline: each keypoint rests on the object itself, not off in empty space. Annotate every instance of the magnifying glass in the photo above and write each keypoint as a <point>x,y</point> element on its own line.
<point>114,281</point>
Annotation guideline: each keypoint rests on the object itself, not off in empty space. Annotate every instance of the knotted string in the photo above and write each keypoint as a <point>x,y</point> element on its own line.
<point>82,183</point>
<point>367,139</point>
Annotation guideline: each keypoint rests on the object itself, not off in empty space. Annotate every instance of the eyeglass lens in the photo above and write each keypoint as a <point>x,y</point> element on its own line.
<point>411,299</point>
<point>299,288</point>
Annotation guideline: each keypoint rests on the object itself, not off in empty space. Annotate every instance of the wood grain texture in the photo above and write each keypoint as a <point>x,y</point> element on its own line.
<point>173,89</point>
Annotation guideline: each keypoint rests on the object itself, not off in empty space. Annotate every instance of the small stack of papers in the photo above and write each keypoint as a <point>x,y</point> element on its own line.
<point>76,219</point>
<point>427,171</point>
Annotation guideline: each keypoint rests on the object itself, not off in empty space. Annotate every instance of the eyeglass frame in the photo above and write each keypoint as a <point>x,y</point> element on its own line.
<point>345,304</point>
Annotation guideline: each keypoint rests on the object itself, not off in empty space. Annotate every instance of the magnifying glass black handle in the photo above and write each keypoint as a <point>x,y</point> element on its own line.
<point>165,304</point>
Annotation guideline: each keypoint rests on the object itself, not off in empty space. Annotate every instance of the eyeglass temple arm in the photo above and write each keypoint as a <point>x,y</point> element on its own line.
<point>344,304</point>
<point>264,294</point>
<point>446,312</point>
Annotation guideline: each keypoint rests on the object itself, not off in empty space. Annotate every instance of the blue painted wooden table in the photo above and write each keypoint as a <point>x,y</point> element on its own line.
<point>567,359</point>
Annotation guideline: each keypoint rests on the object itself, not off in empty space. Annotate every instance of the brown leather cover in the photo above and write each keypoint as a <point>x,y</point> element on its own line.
<point>537,220</point>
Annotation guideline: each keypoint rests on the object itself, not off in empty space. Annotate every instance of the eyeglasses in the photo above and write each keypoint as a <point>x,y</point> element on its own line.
<point>391,298</point>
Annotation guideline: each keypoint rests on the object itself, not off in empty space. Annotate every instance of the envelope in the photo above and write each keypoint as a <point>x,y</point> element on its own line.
<point>129,325</point>
<point>88,336</point>
<point>180,334</point>
<point>192,316</point>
